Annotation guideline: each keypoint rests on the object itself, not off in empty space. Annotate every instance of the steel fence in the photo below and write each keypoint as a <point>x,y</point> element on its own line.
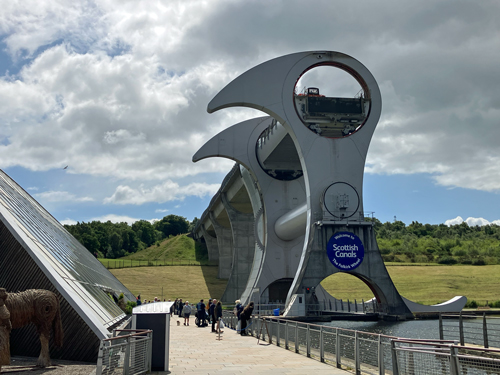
<point>130,263</point>
<point>412,357</point>
<point>367,353</point>
<point>370,353</point>
<point>127,353</point>
<point>470,329</point>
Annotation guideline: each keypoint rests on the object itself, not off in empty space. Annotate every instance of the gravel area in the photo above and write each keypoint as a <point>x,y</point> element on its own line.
<point>27,365</point>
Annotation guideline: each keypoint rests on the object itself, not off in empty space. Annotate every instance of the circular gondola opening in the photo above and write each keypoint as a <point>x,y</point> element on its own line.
<point>332,100</point>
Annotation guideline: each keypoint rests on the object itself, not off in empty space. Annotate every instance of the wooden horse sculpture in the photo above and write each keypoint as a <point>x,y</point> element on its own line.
<point>5,328</point>
<point>40,307</point>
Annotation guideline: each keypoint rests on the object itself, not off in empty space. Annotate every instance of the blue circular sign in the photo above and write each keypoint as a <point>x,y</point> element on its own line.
<point>345,250</point>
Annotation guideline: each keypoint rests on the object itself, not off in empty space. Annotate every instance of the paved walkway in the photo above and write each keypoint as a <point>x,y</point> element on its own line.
<point>196,350</point>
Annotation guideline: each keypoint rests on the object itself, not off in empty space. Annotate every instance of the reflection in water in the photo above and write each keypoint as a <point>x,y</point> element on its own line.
<point>415,329</point>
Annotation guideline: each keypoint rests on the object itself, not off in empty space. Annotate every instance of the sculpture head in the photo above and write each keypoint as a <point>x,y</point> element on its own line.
<point>3,295</point>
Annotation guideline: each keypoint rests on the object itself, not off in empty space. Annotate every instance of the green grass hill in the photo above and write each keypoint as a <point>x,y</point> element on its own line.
<point>177,247</point>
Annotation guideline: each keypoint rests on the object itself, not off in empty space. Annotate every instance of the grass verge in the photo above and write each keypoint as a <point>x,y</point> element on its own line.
<point>424,284</point>
<point>187,282</point>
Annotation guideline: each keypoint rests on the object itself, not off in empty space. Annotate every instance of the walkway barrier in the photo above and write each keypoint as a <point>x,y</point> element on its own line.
<point>370,353</point>
<point>338,305</point>
<point>470,329</point>
<point>128,353</point>
<point>128,263</point>
<point>412,357</point>
<point>367,353</point>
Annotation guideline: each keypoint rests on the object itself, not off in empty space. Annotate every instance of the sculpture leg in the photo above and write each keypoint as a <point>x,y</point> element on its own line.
<point>44,359</point>
<point>4,347</point>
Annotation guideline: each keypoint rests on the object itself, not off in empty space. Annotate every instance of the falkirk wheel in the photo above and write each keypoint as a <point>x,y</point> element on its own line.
<point>302,166</point>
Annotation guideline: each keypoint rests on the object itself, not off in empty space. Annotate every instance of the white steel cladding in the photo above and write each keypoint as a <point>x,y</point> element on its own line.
<point>77,275</point>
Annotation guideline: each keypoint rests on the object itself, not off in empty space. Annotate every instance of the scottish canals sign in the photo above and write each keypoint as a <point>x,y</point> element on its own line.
<point>345,250</point>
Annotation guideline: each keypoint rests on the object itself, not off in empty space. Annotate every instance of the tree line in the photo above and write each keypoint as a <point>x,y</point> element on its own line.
<point>398,242</point>
<point>115,240</point>
<point>426,243</point>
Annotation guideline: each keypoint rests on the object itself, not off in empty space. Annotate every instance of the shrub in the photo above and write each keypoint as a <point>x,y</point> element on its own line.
<point>479,262</point>
<point>491,260</point>
<point>447,260</point>
<point>421,258</point>
<point>495,304</point>
<point>129,307</point>
<point>388,257</point>
<point>471,304</point>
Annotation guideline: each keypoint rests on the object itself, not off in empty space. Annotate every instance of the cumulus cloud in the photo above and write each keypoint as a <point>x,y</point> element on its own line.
<point>119,89</point>
<point>115,219</point>
<point>456,221</point>
<point>471,221</point>
<point>68,221</point>
<point>166,192</point>
<point>60,196</point>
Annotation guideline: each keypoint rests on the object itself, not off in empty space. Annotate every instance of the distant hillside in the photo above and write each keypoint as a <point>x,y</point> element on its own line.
<point>177,247</point>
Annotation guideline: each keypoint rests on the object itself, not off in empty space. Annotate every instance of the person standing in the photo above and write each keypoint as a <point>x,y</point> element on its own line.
<point>211,313</point>
<point>218,315</point>
<point>180,307</point>
<point>239,309</point>
<point>208,310</point>
<point>245,317</point>
<point>200,307</point>
<point>186,312</point>
<point>173,307</point>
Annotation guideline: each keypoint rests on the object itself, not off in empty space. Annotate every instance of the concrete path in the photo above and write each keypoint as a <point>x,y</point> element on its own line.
<point>196,350</point>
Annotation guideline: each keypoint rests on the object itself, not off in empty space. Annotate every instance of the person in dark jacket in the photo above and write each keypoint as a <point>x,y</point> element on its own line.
<point>239,309</point>
<point>180,307</point>
<point>218,315</point>
<point>208,310</point>
<point>200,307</point>
<point>211,312</point>
<point>245,317</point>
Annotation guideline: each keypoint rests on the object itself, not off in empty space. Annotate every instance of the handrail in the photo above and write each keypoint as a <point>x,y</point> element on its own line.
<point>144,331</point>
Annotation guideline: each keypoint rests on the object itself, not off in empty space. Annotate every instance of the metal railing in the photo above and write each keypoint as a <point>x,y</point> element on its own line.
<point>338,305</point>
<point>370,353</point>
<point>367,353</point>
<point>414,357</point>
<point>128,353</point>
<point>470,329</point>
<point>130,263</point>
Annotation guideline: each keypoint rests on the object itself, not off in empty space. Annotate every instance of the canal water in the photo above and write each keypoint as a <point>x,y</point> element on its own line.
<point>428,329</point>
<point>415,329</point>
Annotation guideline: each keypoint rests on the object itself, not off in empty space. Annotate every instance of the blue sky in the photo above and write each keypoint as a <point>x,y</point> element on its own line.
<point>117,91</point>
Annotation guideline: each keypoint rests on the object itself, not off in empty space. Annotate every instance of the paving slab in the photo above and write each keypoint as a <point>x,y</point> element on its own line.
<point>195,350</point>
